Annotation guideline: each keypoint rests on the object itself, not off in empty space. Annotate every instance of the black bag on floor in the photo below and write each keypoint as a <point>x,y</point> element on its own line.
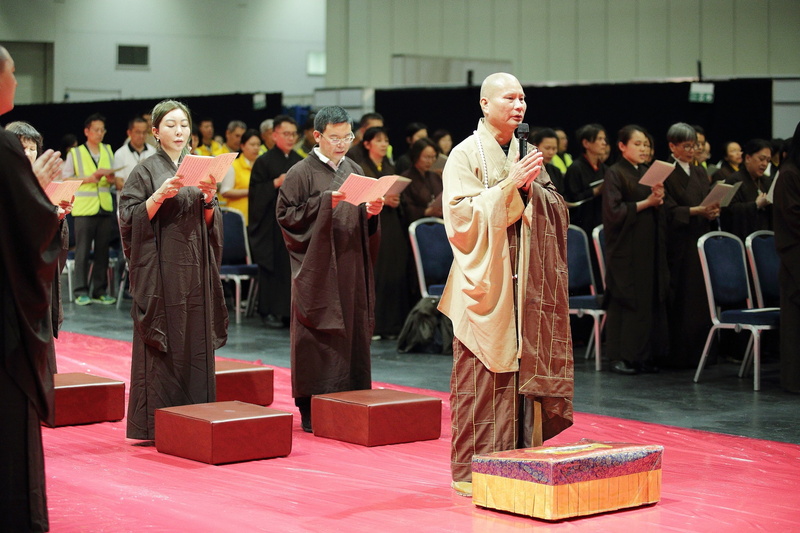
<point>426,330</point>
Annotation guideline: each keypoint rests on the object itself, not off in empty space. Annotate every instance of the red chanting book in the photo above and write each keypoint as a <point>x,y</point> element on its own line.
<point>195,168</point>
<point>359,189</point>
<point>59,191</point>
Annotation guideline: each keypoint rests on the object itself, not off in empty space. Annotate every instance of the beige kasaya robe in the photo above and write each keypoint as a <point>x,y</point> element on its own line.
<point>481,205</point>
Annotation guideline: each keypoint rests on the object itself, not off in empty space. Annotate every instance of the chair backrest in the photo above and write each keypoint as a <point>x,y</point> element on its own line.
<point>764,264</point>
<point>235,247</point>
<point>432,254</point>
<point>724,271</point>
<point>599,239</point>
<point>579,262</point>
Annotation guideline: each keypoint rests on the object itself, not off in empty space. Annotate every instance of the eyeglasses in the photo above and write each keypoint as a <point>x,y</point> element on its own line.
<point>336,141</point>
<point>288,134</point>
<point>688,146</point>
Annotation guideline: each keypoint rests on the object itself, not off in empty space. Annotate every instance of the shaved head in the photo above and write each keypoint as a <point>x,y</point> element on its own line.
<point>4,56</point>
<point>503,105</point>
<point>495,82</point>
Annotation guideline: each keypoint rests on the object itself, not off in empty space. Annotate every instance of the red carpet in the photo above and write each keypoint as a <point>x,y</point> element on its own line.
<point>98,481</point>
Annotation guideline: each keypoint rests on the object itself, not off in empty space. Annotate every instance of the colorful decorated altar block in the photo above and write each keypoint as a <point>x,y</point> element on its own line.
<point>556,482</point>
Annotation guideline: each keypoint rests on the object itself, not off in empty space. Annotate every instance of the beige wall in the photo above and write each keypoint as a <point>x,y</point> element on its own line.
<point>567,41</point>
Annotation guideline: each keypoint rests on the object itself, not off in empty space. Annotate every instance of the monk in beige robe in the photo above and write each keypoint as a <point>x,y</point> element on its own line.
<point>507,291</point>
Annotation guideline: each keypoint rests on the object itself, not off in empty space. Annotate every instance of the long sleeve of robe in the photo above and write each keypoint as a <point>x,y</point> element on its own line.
<point>332,253</point>
<point>29,251</point>
<point>479,294</point>
<point>178,310</point>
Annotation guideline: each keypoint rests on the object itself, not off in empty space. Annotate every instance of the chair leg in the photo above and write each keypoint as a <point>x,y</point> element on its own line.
<point>70,267</point>
<point>590,342</point>
<point>238,299</point>
<point>597,342</point>
<point>748,356</point>
<point>703,358</point>
<point>756,360</point>
<point>252,297</point>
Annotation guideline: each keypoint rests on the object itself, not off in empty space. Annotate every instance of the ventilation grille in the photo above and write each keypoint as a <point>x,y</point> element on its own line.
<point>133,56</point>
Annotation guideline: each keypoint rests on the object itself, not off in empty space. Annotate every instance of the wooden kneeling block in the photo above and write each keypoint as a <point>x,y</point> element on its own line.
<point>376,416</point>
<point>245,382</point>
<point>86,399</point>
<point>223,432</point>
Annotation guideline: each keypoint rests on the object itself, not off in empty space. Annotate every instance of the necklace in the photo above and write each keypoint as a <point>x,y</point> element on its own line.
<point>483,160</point>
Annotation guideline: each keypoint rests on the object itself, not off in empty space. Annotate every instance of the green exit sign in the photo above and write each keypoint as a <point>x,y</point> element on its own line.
<point>701,93</point>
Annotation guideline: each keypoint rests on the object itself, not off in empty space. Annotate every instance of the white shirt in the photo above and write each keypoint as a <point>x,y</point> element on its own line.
<point>127,157</point>
<point>327,160</point>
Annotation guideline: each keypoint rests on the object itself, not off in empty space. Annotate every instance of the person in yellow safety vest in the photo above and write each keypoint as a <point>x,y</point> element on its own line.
<point>208,146</point>
<point>562,160</point>
<point>92,211</point>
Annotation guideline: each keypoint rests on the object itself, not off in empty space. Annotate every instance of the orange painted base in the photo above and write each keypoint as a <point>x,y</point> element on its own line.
<point>555,502</point>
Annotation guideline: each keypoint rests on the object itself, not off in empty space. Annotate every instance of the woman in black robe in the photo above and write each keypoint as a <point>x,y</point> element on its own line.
<point>750,210</point>
<point>687,221</point>
<point>172,238</point>
<point>423,196</point>
<point>392,294</point>
<point>636,274</point>
<point>730,162</point>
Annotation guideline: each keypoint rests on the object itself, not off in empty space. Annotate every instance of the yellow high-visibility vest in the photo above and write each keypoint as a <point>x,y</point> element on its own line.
<point>90,198</point>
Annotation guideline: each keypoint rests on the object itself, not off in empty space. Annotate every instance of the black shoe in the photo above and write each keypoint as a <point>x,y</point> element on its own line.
<point>271,321</point>
<point>305,422</point>
<point>622,367</point>
<point>647,368</point>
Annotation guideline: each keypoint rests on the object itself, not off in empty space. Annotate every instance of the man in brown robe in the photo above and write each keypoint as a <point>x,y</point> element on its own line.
<point>507,289</point>
<point>332,247</point>
<point>29,249</point>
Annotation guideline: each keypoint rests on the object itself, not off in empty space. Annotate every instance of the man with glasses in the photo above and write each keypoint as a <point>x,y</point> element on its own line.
<point>92,210</point>
<point>266,242</point>
<point>332,248</point>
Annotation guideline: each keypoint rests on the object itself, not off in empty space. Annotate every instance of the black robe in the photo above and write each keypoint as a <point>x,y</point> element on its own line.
<point>266,241</point>
<point>332,252</point>
<point>392,280</point>
<point>577,188</point>
<point>687,308</point>
<point>557,177</point>
<point>742,217</point>
<point>637,276</point>
<point>29,249</point>
<point>178,310</point>
<point>423,190</point>
<point>787,241</point>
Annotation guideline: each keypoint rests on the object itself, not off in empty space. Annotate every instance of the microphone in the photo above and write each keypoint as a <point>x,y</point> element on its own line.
<point>522,135</point>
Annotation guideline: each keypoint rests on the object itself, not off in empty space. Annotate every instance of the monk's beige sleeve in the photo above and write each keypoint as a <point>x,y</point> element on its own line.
<point>479,293</point>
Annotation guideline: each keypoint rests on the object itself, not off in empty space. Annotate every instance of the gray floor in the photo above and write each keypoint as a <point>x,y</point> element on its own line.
<point>721,402</point>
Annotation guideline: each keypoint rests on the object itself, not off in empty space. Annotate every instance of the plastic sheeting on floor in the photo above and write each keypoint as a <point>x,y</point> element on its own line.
<point>97,480</point>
